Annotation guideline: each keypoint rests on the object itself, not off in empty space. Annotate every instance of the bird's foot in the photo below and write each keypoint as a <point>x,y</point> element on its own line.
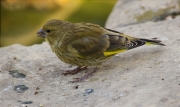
<point>74,71</point>
<point>85,76</point>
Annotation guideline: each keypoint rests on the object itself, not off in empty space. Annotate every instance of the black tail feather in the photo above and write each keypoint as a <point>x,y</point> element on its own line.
<point>153,42</point>
<point>141,42</point>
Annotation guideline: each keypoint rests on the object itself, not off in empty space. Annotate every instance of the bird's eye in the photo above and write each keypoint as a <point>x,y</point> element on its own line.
<point>47,31</point>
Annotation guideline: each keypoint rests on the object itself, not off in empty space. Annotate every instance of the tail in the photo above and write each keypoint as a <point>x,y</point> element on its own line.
<point>141,42</point>
<point>153,42</point>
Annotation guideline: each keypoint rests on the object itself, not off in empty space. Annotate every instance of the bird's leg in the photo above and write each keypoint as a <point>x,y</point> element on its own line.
<point>85,76</point>
<point>75,71</point>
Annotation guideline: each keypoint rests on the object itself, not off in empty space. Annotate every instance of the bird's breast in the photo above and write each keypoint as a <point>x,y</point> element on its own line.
<point>78,61</point>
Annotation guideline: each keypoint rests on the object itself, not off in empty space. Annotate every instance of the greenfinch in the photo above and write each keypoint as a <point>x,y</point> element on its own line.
<point>85,44</point>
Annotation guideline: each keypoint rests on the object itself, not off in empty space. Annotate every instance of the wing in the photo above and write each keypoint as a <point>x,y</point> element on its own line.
<point>89,40</point>
<point>89,46</point>
<point>117,44</point>
<point>94,40</point>
<point>120,42</point>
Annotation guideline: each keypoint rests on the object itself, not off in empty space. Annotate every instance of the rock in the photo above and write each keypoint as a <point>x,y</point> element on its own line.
<point>20,88</point>
<point>147,76</point>
<point>16,74</point>
<point>129,12</point>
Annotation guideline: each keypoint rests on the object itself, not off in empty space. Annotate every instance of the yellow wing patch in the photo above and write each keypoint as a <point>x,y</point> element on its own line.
<point>110,53</point>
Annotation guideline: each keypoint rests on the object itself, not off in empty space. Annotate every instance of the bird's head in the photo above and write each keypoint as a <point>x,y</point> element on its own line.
<point>53,31</point>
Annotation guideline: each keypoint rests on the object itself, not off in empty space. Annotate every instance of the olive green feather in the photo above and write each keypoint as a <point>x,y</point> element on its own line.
<point>86,44</point>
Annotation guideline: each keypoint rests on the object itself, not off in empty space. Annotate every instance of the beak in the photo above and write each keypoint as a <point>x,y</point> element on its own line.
<point>41,33</point>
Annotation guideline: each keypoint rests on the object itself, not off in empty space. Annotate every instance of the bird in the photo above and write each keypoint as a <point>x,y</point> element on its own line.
<point>86,44</point>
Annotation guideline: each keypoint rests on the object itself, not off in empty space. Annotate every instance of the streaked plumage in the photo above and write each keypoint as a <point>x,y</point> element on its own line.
<point>86,44</point>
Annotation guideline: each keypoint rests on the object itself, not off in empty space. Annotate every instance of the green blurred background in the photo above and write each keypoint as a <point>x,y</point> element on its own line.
<point>21,19</point>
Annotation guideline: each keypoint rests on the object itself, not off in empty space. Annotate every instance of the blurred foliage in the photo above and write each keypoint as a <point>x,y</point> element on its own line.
<point>93,11</point>
<point>20,20</point>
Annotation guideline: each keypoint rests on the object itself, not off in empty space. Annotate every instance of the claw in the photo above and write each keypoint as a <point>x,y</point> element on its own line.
<point>74,71</point>
<point>81,79</point>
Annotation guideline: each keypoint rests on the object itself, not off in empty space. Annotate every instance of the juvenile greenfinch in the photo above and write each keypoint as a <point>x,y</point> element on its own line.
<point>86,44</point>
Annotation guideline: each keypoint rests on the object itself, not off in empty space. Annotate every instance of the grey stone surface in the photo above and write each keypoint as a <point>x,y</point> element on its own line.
<point>129,12</point>
<point>148,76</point>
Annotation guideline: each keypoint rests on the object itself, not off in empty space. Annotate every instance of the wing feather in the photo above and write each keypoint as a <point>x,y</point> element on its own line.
<point>90,45</point>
